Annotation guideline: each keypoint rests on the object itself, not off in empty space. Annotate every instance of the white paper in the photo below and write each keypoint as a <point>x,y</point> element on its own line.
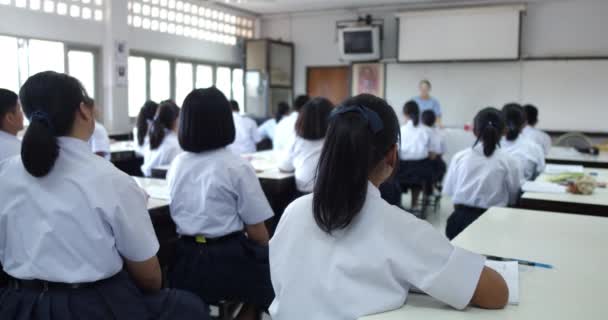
<point>561,168</point>
<point>509,270</point>
<point>543,187</point>
<point>158,192</point>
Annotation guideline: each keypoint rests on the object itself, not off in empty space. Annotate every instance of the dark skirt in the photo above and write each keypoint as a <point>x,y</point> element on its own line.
<point>462,217</point>
<point>235,269</point>
<point>415,173</point>
<point>390,191</point>
<point>439,168</point>
<point>116,298</point>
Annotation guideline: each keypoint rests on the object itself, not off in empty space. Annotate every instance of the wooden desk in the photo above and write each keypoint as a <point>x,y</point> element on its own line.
<point>124,157</point>
<point>595,204</point>
<point>574,245</point>
<point>563,155</point>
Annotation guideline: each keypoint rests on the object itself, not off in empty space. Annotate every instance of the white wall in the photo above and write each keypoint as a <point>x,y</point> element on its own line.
<point>549,29</point>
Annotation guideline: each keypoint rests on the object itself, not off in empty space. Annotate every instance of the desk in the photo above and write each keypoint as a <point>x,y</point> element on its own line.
<point>564,155</point>
<point>124,157</point>
<point>595,204</point>
<point>574,245</point>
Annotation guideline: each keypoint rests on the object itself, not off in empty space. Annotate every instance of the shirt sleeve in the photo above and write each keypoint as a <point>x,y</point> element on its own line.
<point>443,271</point>
<point>449,182</point>
<point>286,163</point>
<point>255,134</point>
<point>131,224</point>
<point>437,107</point>
<point>252,205</point>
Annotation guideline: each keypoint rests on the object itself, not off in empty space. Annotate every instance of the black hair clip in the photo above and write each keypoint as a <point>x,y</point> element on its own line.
<point>43,117</point>
<point>371,116</point>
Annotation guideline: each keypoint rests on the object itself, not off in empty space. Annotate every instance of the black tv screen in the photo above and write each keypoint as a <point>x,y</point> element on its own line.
<point>358,42</point>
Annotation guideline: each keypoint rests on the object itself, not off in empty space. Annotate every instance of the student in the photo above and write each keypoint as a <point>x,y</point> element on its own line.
<point>11,122</point>
<point>247,135</point>
<point>71,222</point>
<point>267,129</point>
<point>437,147</point>
<point>100,140</point>
<point>531,156</point>
<point>142,125</point>
<point>219,209</point>
<point>415,169</point>
<point>343,252</point>
<point>531,132</point>
<point>483,176</point>
<point>285,132</point>
<point>303,156</point>
<point>164,146</point>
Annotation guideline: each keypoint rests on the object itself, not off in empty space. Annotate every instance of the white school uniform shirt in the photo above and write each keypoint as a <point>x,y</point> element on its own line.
<point>302,159</point>
<point>367,268</point>
<point>100,141</point>
<point>530,155</point>
<point>285,133</point>
<point>163,155</point>
<point>538,136</point>
<point>477,181</point>
<point>10,145</point>
<point>215,193</point>
<point>267,129</point>
<point>438,144</point>
<point>74,224</point>
<point>247,135</point>
<point>415,142</point>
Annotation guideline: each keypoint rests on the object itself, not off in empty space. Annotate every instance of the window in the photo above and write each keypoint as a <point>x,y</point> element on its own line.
<point>81,9</point>
<point>184,81</point>
<point>238,89</point>
<point>81,65</point>
<point>160,80</point>
<point>45,56</point>
<point>189,19</point>
<point>9,56</point>
<point>204,76</point>
<point>223,81</point>
<point>137,84</point>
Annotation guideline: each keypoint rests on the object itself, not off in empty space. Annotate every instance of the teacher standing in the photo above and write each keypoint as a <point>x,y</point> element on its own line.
<point>426,102</point>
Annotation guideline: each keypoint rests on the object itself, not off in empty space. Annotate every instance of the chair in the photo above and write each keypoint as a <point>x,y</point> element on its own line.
<point>574,140</point>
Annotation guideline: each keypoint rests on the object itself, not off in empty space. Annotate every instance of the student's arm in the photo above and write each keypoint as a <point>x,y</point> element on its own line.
<point>146,274</point>
<point>258,233</point>
<point>492,291</point>
<point>286,163</point>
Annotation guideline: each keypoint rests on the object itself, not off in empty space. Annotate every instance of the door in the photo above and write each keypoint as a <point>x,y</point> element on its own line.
<point>332,83</point>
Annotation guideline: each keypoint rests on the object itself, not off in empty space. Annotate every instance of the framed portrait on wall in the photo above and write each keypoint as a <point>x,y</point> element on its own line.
<point>368,78</point>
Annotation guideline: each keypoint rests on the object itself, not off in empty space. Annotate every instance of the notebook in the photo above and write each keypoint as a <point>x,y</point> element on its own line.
<point>509,270</point>
<point>543,187</point>
<point>158,192</point>
<point>561,168</point>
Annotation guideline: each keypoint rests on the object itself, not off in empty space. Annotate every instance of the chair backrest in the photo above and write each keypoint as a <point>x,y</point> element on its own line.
<point>574,140</point>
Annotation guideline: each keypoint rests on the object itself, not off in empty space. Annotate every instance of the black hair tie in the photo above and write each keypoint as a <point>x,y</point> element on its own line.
<point>42,116</point>
<point>371,117</point>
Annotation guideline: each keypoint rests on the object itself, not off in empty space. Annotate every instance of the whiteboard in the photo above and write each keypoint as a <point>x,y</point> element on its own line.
<point>570,95</point>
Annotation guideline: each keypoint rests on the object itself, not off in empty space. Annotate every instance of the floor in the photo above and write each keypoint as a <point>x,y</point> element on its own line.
<point>437,219</point>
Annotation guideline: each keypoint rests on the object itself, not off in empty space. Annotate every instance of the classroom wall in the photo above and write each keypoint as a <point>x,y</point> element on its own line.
<point>549,29</point>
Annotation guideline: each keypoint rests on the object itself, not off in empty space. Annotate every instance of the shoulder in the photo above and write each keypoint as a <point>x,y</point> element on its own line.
<point>459,156</point>
<point>507,160</point>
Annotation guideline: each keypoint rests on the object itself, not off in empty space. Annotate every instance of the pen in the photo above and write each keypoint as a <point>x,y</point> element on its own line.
<point>522,262</point>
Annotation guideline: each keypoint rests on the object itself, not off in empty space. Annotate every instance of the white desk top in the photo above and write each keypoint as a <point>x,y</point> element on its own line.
<point>573,244</point>
<point>122,146</point>
<point>599,196</point>
<point>570,154</point>
<point>157,189</point>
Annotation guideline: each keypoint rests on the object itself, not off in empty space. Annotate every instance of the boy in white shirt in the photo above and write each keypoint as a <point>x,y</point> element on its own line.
<point>531,132</point>
<point>247,135</point>
<point>11,122</point>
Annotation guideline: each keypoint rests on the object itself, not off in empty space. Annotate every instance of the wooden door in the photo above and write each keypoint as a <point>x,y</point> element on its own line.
<point>332,83</point>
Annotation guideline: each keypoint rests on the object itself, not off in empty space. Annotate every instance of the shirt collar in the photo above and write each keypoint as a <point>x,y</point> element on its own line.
<point>372,190</point>
<point>71,143</point>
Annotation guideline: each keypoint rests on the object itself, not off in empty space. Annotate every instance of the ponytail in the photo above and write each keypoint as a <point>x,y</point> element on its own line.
<point>489,126</point>
<point>165,119</point>
<point>515,118</point>
<point>412,111</point>
<point>144,118</point>
<point>50,101</point>
<point>360,134</point>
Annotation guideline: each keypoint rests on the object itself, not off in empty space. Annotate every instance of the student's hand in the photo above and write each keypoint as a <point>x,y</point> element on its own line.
<point>492,291</point>
<point>258,233</point>
<point>146,274</point>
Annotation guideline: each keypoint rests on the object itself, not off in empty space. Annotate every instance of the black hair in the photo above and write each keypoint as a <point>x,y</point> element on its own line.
<point>429,118</point>
<point>8,103</point>
<point>165,119</point>
<point>282,110</point>
<point>412,111</point>
<point>489,126</point>
<point>234,105</point>
<point>50,101</point>
<point>531,114</point>
<point>427,82</point>
<point>300,101</point>
<point>313,119</point>
<point>515,119</point>
<point>351,152</point>
<point>89,102</point>
<point>145,116</point>
<point>206,122</point>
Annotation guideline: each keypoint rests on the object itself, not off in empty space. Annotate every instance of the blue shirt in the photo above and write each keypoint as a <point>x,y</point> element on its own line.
<point>428,104</point>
